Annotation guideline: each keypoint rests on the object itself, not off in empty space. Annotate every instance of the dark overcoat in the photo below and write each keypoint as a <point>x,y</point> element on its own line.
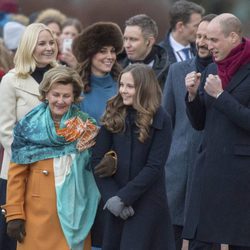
<point>140,183</point>
<point>185,140</point>
<point>220,201</point>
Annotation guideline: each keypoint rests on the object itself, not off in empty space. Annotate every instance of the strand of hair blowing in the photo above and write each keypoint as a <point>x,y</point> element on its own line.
<point>114,117</point>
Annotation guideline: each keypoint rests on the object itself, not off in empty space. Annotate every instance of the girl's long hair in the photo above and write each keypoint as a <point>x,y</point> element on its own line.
<point>146,102</point>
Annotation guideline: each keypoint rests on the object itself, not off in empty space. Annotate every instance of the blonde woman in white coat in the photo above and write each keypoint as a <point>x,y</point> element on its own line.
<point>36,53</point>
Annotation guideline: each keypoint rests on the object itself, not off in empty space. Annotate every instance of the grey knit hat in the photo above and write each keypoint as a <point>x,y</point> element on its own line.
<point>12,32</point>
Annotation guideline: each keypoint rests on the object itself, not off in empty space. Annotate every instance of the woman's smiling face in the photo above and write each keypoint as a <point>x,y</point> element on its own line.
<point>60,97</point>
<point>46,49</point>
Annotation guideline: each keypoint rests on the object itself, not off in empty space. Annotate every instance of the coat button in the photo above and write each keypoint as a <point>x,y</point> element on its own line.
<point>45,172</point>
<point>3,211</point>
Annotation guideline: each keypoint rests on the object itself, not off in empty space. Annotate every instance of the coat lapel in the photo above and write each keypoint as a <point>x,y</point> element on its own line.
<point>240,75</point>
<point>29,85</point>
<point>191,65</point>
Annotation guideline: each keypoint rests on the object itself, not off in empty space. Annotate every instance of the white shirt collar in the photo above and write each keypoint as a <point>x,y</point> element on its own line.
<point>177,47</point>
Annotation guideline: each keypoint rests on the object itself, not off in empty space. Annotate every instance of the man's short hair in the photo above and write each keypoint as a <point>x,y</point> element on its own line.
<point>231,24</point>
<point>147,24</point>
<point>182,10</point>
<point>208,18</point>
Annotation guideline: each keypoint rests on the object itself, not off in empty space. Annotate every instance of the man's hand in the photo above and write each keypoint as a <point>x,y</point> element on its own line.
<point>16,229</point>
<point>192,82</point>
<point>114,205</point>
<point>213,86</point>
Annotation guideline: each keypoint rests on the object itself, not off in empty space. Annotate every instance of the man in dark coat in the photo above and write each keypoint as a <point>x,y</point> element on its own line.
<point>140,36</point>
<point>184,20</point>
<point>219,203</point>
<point>185,140</point>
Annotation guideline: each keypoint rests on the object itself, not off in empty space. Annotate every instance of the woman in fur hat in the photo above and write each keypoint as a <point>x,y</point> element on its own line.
<point>96,49</point>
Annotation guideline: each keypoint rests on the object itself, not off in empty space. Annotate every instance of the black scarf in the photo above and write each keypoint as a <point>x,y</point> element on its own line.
<point>202,63</point>
<point>148,59</point>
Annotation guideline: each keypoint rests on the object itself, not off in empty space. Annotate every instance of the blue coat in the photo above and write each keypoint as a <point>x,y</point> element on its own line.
<point>185,141</point>
<point>140,183</point>
<point>95,101</point>
<point>222,173</point>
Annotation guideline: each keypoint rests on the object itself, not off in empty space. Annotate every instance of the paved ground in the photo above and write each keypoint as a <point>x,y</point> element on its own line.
<point>185,246</point>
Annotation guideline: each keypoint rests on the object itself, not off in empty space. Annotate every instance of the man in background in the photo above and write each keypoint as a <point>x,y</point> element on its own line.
<point>185,141</point>
<point>185,17</point>
<point>140,36</point>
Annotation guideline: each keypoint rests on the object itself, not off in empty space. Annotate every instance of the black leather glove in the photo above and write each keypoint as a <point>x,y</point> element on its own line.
<point>107,166</point>
<point>127,212</point>
<point>114,205</point>
<point>16,229</point>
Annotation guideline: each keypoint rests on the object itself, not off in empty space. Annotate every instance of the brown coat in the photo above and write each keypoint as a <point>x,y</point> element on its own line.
<point>31,196</point>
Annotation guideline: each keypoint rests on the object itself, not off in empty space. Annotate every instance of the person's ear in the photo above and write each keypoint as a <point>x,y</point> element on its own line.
<point>150,41</point>
<point>234,37</point>
<point>179,26</point>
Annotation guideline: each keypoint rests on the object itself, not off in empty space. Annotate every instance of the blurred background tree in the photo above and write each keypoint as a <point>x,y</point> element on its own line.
<point>240,8</point>
<point>89,11</point>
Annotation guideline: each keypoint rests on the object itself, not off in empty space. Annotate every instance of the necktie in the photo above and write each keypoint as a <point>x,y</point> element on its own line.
<point>186,52</point>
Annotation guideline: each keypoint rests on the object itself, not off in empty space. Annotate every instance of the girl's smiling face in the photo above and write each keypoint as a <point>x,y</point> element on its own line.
<point>127,88</point>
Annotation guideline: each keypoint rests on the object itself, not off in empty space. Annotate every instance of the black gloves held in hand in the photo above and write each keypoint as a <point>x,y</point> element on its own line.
<point>107,166</point>
<point>16,229</point>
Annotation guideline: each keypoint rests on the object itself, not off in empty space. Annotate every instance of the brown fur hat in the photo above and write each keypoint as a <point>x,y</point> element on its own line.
<point>94,37</point>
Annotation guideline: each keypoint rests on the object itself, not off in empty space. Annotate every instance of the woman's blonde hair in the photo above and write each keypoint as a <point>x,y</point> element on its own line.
<point>62,75</point>
<point>146,102</point>
<point>24,60</point>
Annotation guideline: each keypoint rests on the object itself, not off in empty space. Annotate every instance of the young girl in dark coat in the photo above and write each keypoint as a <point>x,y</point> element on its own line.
<point>139,132</point>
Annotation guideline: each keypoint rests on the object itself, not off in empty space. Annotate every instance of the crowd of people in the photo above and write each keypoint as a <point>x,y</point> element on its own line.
<point>112,141</point>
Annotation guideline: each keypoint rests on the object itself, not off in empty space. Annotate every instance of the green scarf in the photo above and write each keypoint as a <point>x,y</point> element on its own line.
<point>35,136</point>
<point>77,196</point>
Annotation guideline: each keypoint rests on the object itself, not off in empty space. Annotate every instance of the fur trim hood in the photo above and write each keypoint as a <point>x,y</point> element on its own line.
<point>94,37</point>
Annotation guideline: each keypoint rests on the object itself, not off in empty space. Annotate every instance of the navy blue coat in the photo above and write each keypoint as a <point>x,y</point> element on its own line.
<point>219,208</point>
<point>140,183</point>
